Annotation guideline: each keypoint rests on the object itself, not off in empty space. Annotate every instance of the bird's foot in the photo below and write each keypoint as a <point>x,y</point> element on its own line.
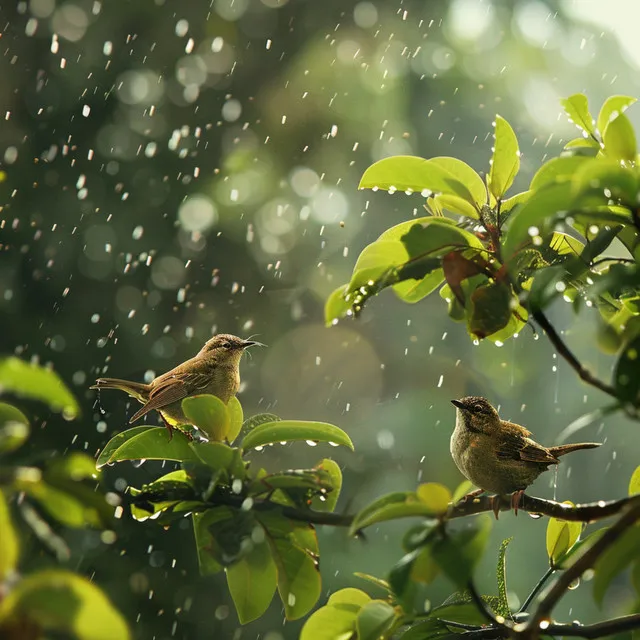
<point>169,427</point>
<point>471,495</point>
<point>516,498</point>
<point>496,503</point>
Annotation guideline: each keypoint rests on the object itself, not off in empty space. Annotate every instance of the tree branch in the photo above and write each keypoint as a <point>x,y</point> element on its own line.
<point>585,561</point>
<point>584,374</point>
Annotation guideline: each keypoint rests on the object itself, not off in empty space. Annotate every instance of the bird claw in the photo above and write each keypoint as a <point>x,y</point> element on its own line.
<point>496,503</point>
<point>516,498</point>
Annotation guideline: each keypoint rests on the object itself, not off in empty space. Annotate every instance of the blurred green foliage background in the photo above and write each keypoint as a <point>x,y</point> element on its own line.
<point>173,170</point>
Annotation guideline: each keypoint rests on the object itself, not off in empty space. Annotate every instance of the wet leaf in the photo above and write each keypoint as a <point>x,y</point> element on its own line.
<point>374,620</point>
<point>331,498</point>
<point>14,428</point>
<point>619,139</point>
<point>424,568</point>
<point>431,629</point>
<point>503,608</point>
<point>505,162</point>
<point>577,108</point>
<point>389,507</point>
<point>561,536</point>
<point>613,106</point>
<point>252,582</point>
<point>336,306</point>
<point>468,176</point>
<point>557,170</point>
<point>293,430</point>
<point>257,420</point>
<point>209,414</point>
<point>147,443</point>
<point>37,383</point>
<point>489,309</point>
<point>9,542</point>
<point>337,619</point>
<point>63,602</point>
<point>435,497</point>
<point>236,418</point>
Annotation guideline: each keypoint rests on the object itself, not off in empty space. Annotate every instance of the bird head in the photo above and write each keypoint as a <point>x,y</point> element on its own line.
<point>476,414</point>
<point>227,347</point>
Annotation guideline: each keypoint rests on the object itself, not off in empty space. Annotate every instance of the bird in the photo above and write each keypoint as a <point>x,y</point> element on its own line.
<point>499,456</point>
<point>215,370</point>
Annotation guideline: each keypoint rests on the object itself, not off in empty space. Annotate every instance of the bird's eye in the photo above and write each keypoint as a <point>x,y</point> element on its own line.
<point>226,345</point>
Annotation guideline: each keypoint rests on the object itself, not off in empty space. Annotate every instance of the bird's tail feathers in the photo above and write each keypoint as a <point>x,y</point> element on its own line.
<point>563,449</point>
<point>136,389</point>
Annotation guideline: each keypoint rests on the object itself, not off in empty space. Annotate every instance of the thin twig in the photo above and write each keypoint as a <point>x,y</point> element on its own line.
<point>549,572</point>
<point>553,594</point>
<point>584,374</point>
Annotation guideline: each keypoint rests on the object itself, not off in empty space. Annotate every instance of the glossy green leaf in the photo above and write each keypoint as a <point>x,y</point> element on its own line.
<point>147,443</point>
<point>374,620</point>
<point>459,552</point>
<point>204,540</point>
<point>14,428</point>
<point>505,162</point>
<point>587,145</point>
<point>625,376</point>
<point>292,430</point>
<point>38,383</point>
<point>252,582</point>
<point>507,205</point>
<point>330,499</point>
<point>257,420</point>
<point>413,290</point>
<point>455,205</point>
<point>561,536</point>
<point>460,607</point>
<point>63,602</point>
<point>489,309</point>
<point>577,108</point>
<point>216,455</point>
<point>606,179</point>
<point>331,622</point>
<point>390,507</point>
<point>530,218</point>
<point>376,259</point>
<point>614,560</point>
<point>349,596</point>
<point>377,582</point>
<point>424,568</point>
<point>236,418</point>
<point>613,106</point>
<point>557,170</point>
<point>9,542</point>
<point>209,414</point>
<point>431,629</point>
<point>434,496</point>
<point>413,174</point>
<point>336,306</point>
<point>619,140</point>
<point>503,608</point>
<point>634,483</point>
<point>468,176</point>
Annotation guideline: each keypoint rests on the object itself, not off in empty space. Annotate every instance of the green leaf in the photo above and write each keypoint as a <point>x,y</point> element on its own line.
<point>505,162</point>
<point>147,443</point>
<point>503,608</point>
<point>413,174</point>
<point>625,376</point>
<point>335,622</point>
<point>634,483</point>
<point>435,496</point>
<point>61,601</point>
<point>458,553</point>
<point>374,620</point>
<point>401,504</point>
<point>73,466</point>
<point>424,568</point>
<point>216,455</point>
<point>376,259</point>
<point>460,607</point>
<point>468,176</point>
<point>615,560</point>
<point>561,536</point>
<point>295,554</point>
<point>540,208</point>
<point>557,170</point>
<point>336,306</point>
<point>331,498</point>
<point>413,290</point>
<point>252,582</point>
<point>462,490</point>
<point>613,106</point>
<point>490,309</point>
<point>378,582</point>
<point>14,428</point>
<point>349,596</point>
<point>510,203</point>
<point>236,418</point>
<point>38,383</point>
<point>588,146</point>
<point>257,420</point>
<point>9,542</point>
<point>619,140</point>
<point>577,108</point>
<point>456,205</point>
<point>209,414</point>
<point>431,629</point>
<point>581,545</point>
<point>597,175</point>
<point>291,430</point>
<point>204,540</point>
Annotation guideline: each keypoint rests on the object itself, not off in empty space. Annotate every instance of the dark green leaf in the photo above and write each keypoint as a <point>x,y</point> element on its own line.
<point>14,428</point>
<point>60,601</point>
<point>611,108</point>
<point>205,543</point>
<point>147,443</point>
<point>38,383</point>
<point>424,568</point>
<point>625,377</point>
<point>505,162</point>
<point>459,607</point>
<point>614,560</point>
<point>400,578</point>
<point>252,582</point>
<point>73,466</point>
<point>431,629</point>
<point>503,608</point>
<point>374,620</point>
<point>458,553</point>
<point>490,309</point>
<point>209,414</point>
<point>619,140</point>
<point>401,504</point>
<point>215,455</point>
<point>577,108</point>
<point>9,542</point>
<point>292,430</point>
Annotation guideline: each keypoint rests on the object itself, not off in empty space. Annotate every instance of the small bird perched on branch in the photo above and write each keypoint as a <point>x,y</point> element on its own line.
<point>215,369</point>
<point>499,456</point>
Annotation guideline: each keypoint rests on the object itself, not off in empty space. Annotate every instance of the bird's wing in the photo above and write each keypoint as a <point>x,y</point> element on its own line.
<point>170,389</point>
<point>516,447</point>
<point>515,429</point>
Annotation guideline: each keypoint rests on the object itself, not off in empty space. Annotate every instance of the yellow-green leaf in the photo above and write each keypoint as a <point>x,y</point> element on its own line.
<point>505,162</point>
<point>634,483</point>
<point>9,544</point>
<point>619,139</point>
<point>577,108</point>
<point>435,496</point>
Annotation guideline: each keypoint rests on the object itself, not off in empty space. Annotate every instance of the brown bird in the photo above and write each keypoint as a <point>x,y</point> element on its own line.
<point>499,456</point>
<point>215,369</point>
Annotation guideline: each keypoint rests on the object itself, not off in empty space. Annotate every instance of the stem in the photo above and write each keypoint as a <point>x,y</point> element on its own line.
<point>566,353</point>
<point>553,594</point>
<point>597,630</point>
<point>550,571</point>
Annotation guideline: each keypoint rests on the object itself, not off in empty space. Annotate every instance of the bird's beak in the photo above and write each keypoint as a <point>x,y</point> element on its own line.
<point>458,404</point>
<point>252,343</point>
